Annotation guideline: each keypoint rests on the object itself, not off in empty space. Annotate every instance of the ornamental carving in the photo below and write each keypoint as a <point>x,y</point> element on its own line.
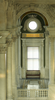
<point>49,9</point>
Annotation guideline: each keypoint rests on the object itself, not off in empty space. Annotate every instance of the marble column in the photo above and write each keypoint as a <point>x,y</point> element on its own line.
<point>42,60</point>
<point>51,61</point>
<point>47,57</point>
<point>17,61</point>
<point>14,86</point>
<point>2,75</point>
<point>16,58</point>
<point>40,56</point>
<point>19,38</point>
<point>24,59</point>
<point>18,75</point>
<point>9,72</point>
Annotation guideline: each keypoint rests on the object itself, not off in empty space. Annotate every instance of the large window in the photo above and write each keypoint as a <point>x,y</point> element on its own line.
<point>32,58</point>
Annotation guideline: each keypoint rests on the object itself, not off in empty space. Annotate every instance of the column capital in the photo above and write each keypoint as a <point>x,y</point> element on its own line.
<point>9,42</point>
<point>14,38</point>
<point>3,49</point>
<point>19,33</point>
<point>46,33</point>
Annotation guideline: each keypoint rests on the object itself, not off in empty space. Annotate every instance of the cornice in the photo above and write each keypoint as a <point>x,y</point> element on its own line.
<point>4,34</point>
<point>50,29</point>
<point>15,28</point>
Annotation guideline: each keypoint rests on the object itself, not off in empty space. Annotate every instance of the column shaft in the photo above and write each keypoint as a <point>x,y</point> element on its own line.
<point>18,75</point>
<point>9,73</point>
<point>42,55</point>
<point>13,65</point>
<point>2,77</point>
<point>16,58</point>
<point>14,85</point>
<point>24,60</point>
<point>42,59</point>
<point>51,61</point>
<point>19,56</point>
<point>47,57</point>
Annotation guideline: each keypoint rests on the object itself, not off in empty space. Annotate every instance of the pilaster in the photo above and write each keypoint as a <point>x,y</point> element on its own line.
<point>42,60</point>
<point>19,40</point>
<point>51,61</point>
<point>14,84</point>
<point>51,31</point>
<point>9,68</point>
<point>24,59</point>
<point>2,74</point>
<point>46,55</point>
<point>3,49</point>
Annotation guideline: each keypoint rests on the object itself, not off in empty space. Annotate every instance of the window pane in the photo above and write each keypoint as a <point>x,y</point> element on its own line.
<point>35,52</point>
<point>35,64</point>
<point>33,58</point>
<point>29,64</point>
<point>32,52</point>
<point>29,52</point>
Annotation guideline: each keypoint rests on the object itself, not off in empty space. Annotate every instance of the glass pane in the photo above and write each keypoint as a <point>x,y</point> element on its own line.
<point>35,64</point>
<point>35,52</point>
<point>33,58</point>
<point>32,52</point>
<point>29,52</point>
<point>29,64</point>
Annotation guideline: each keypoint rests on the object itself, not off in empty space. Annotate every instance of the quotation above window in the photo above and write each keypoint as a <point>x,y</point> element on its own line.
<point>32,58</point>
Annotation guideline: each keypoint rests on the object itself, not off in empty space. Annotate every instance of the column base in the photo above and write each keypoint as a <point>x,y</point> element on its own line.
<point>14,92</point>
<point>9,98</point>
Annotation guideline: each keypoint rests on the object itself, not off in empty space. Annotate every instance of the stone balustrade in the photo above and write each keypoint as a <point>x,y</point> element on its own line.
<point>32,93</point>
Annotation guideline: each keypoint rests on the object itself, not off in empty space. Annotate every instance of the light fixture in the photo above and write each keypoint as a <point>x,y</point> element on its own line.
<point>32,25</point>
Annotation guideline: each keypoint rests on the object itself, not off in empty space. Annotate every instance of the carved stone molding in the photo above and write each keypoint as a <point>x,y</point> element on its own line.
<point>14,29</point>
<point>14,38</point>
<point>9,42</point>
<point>45,8</point>
<point>3,50</point>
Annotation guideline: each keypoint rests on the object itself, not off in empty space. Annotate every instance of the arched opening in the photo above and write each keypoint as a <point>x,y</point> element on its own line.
<point>33,40</point>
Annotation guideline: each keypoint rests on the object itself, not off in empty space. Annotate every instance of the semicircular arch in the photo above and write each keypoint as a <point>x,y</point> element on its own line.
<point>27,9</point>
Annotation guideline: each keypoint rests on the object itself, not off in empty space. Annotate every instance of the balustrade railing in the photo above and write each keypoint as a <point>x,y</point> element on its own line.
<point>35,93</point>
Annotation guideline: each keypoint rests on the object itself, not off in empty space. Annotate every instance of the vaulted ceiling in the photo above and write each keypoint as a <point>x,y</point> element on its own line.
<point>34,1</point>
<point>12,10</point>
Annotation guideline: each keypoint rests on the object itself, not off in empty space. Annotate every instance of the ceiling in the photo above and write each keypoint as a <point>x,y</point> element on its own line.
<point>35,1</point>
